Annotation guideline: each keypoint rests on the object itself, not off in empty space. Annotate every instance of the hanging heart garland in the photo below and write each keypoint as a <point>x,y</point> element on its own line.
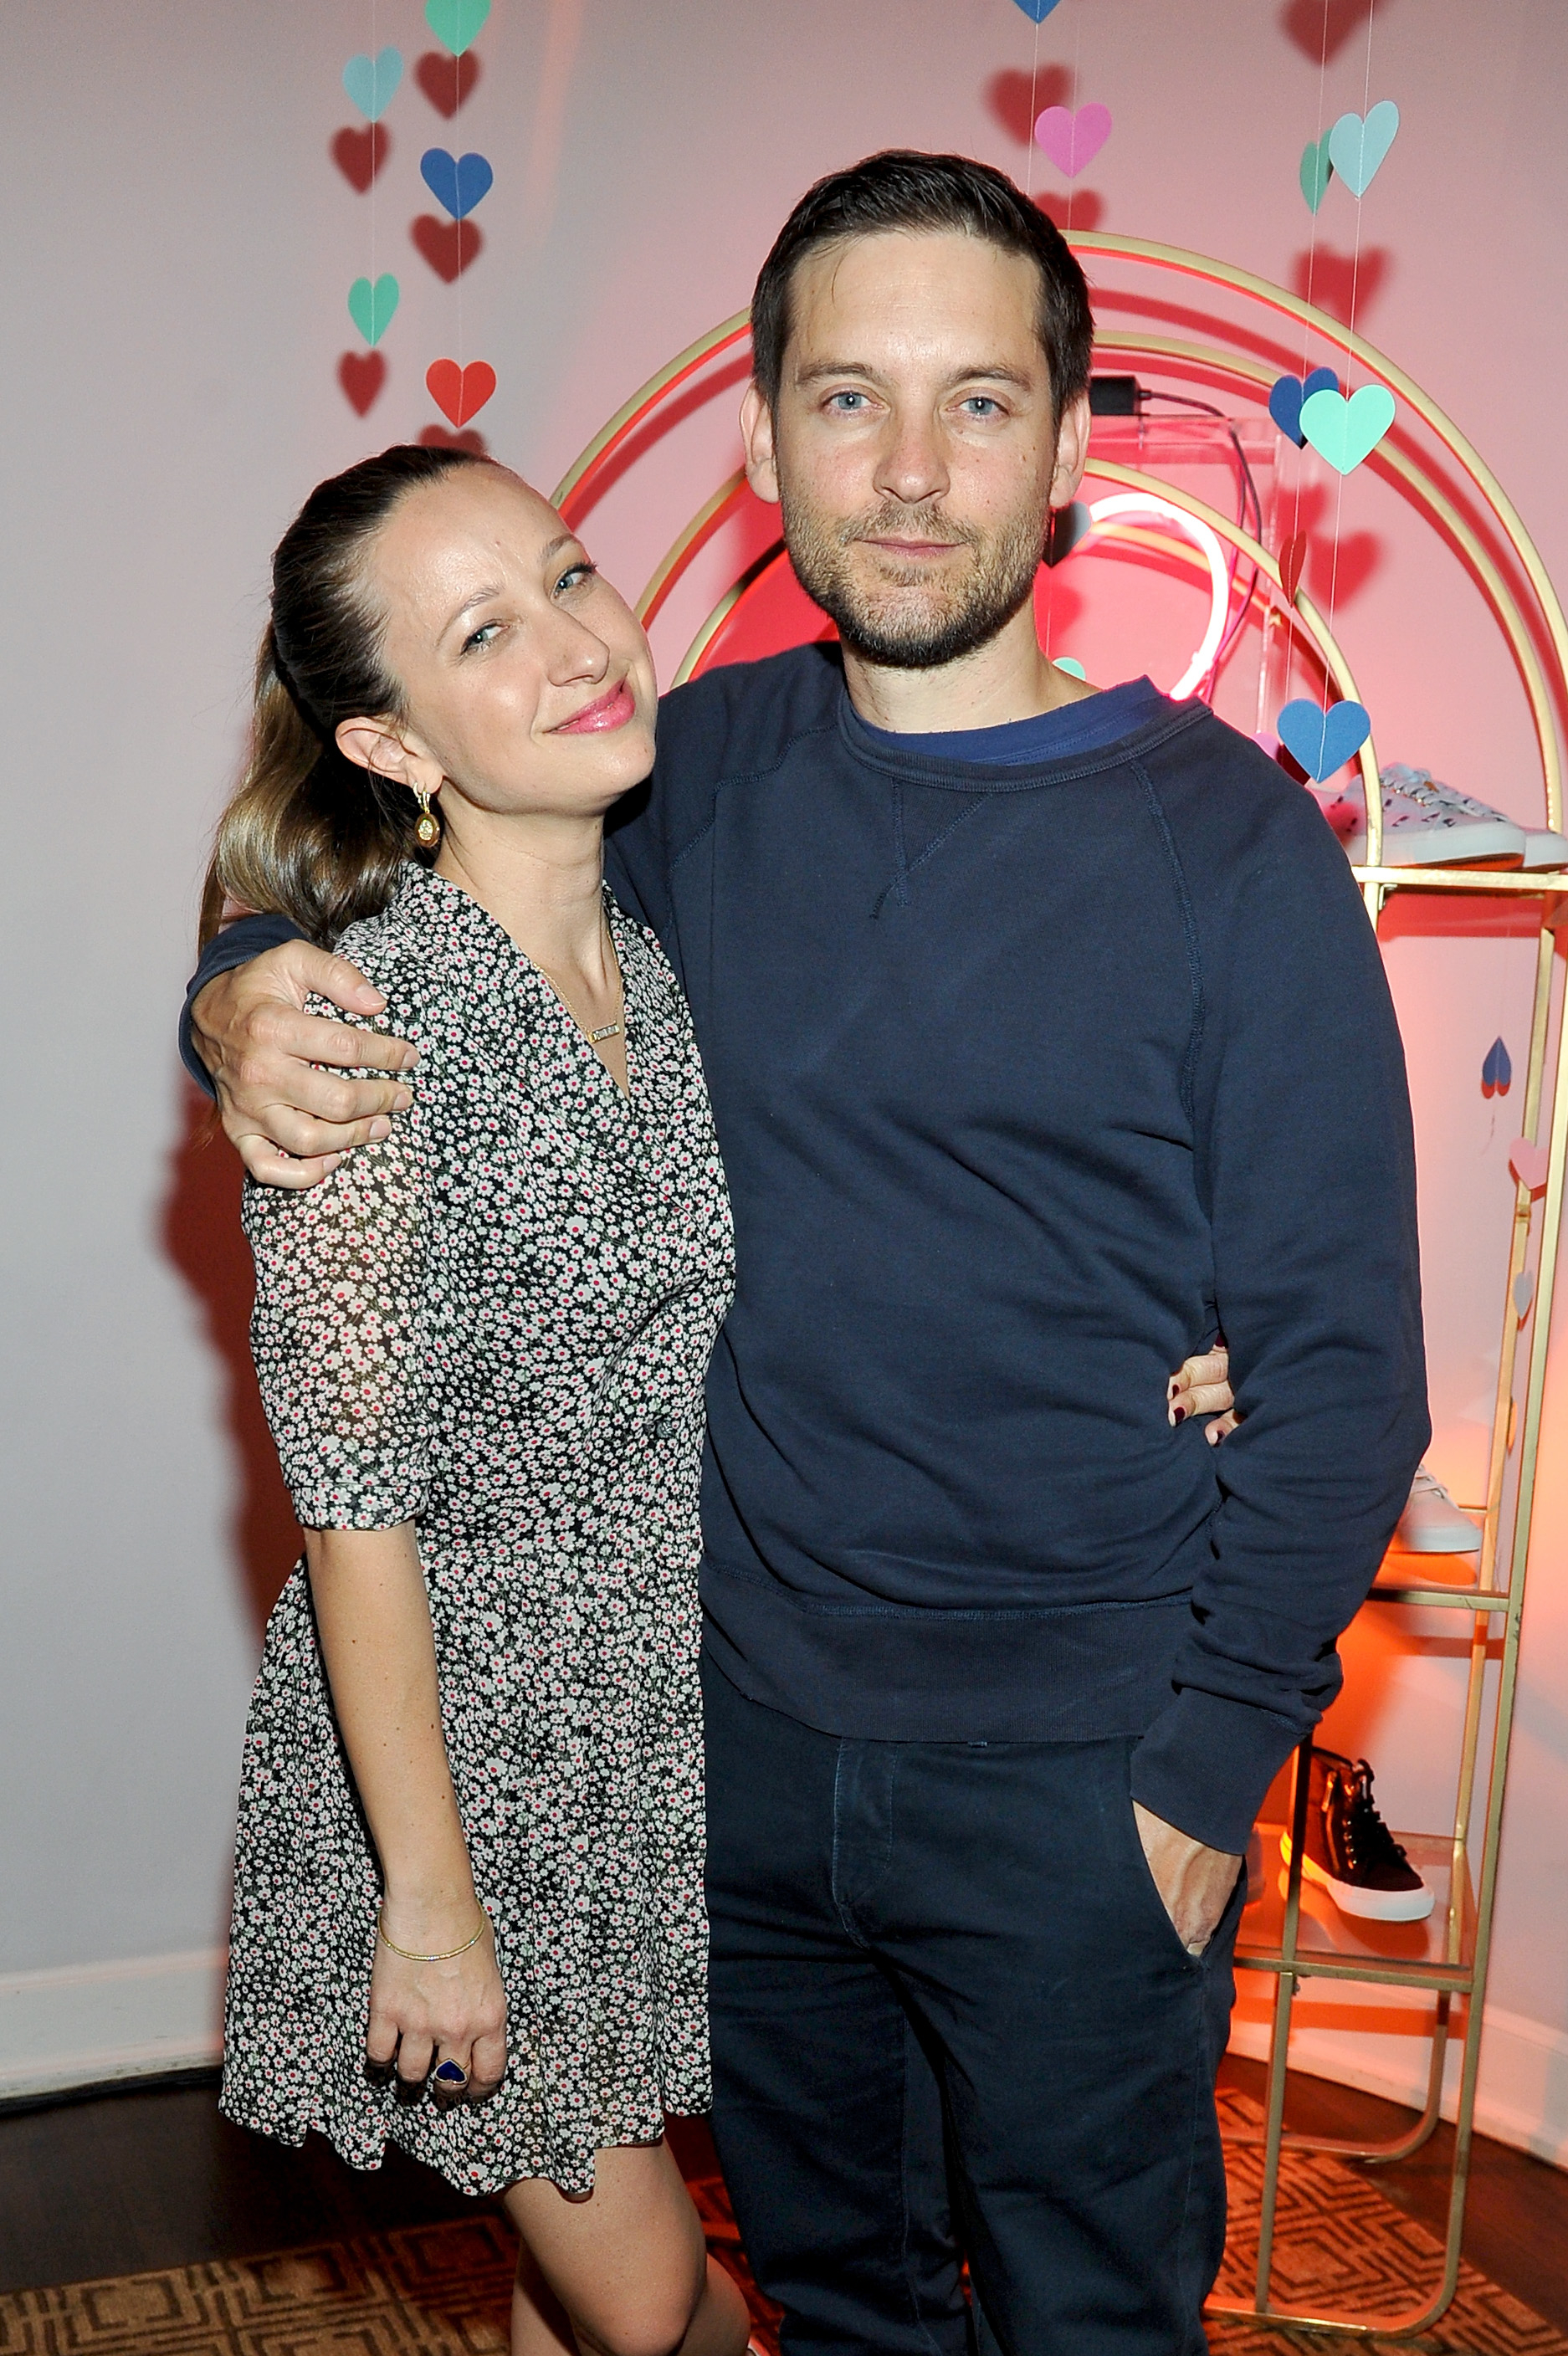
<point>372,307</point>
<point>457,183</point>
<point>372,82</point>
<point>1073,141</point>
<point>1357,146</point>
<point>1036,11</point>
<point>1292,557</point>
<point>1497,1070</point>
<point>457,23</point>
<point>1322,741</point>
<point>1286,395</point>
<point>460,393</point>
<point>1316,171</point>
<point>1345,431</point>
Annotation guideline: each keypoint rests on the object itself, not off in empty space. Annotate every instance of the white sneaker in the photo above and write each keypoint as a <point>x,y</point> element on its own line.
<point>1426,824</point>
<point>1432,1523</point>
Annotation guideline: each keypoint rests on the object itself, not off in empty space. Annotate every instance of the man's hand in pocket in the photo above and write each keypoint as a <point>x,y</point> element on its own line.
<point>1195,1882</point>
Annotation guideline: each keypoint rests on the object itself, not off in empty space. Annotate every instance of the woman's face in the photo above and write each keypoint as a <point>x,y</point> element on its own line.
<point>527,684</point>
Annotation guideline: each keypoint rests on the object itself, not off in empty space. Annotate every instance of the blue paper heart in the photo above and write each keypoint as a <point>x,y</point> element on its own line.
<point>372,82</point>
<point>1497,1072</point>
<point>1286,395</point>
<point>1036,11</point>
<point>1322,741</point>
<point>457,183</point>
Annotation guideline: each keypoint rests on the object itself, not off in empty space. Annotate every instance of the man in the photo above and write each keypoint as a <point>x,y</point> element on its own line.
<point>1047,1034</point>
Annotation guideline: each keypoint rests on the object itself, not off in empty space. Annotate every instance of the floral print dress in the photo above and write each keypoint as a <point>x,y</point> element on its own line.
<point>497,1325</point>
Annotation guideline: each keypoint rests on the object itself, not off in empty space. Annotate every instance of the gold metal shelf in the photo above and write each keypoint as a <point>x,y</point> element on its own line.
<point>1438,1954</point>
<point>1447,1581</point>
<point>1535,884</point>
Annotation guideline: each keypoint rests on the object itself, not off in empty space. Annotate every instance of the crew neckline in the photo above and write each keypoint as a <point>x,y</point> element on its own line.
<point>1085,725</point>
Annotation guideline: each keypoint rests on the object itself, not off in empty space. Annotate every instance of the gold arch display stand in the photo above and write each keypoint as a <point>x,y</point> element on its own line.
<point>1289,1945</point>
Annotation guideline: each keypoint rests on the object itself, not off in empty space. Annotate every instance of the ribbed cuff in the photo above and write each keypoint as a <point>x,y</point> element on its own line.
<point>1206,1764</point>
<point>237,944</point>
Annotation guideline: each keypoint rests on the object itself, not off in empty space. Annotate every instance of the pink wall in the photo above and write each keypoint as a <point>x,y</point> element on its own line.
<point>180,246</point>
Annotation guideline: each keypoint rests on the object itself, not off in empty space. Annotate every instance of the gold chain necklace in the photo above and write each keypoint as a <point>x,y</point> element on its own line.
<point>595,1037</point>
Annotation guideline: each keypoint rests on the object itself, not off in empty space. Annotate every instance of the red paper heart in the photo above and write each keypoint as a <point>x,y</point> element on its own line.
<point>362,376</point>
<point>460,393</point>
<point>436,437</point>
<point>1293,556</point>
<point>359,151</point>
<point>449,246</point>
<point>447,82</point>
<point>1528,1164</point>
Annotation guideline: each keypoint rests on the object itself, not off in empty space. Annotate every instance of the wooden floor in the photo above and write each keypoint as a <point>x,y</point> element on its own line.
<point>132,2180</point>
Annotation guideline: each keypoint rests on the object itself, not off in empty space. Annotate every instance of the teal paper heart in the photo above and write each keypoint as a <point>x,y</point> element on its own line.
<point>1356,148</point>
<point>372,82</point>
<point>1316,169</point>
<point>1345,431</point>
<point>457,23</point>
<point>372,307</point>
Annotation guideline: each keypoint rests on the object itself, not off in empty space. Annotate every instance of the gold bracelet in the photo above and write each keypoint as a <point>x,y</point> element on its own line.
<point>446,1953</point>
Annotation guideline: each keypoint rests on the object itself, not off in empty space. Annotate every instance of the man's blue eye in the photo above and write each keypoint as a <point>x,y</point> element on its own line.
<point>842,399</point>
<point>982,404</point>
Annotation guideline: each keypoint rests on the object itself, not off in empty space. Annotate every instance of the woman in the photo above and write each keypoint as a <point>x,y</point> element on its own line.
<point>473,1769</point>
<point>468,1913</point>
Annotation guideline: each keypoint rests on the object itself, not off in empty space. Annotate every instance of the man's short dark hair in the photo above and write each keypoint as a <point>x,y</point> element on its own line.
<point>902,189</point>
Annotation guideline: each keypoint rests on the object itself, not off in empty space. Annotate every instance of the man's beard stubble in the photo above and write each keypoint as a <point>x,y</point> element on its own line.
<point>949,621</point>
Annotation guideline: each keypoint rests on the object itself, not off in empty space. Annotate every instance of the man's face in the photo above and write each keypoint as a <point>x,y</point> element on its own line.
<point>914,448</point>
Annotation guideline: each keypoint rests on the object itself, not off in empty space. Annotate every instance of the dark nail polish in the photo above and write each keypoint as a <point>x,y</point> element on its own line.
<point>1180,1413</point>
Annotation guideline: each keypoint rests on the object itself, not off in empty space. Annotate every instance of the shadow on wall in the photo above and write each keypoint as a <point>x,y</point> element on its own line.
<point>1346,285</point>
<point>1016,101</point>
<point>1320,28</point>
<point>202,1237</point>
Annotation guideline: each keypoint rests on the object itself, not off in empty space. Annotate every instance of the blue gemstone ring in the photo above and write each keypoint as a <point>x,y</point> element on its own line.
<point>450,2078</point>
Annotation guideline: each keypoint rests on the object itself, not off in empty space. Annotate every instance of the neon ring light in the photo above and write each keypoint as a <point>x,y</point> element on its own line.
<point>1192,528</point>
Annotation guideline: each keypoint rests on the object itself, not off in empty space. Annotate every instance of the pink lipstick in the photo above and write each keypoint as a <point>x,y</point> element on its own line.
<point>611,711</point>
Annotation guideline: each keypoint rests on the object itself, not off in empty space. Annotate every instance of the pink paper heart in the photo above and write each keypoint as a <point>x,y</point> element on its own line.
<point>1071,140</point>
<point>1528,1164</point>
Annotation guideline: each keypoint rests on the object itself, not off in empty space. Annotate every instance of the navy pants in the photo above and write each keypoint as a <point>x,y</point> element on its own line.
<point>951,2020</point>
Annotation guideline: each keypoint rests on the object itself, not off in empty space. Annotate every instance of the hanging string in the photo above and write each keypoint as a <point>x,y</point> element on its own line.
<point>1076,86</point>
<point>1307,335</point>
<point>375,157</point>
<point>1033,101</point>
<point>1354,277</point>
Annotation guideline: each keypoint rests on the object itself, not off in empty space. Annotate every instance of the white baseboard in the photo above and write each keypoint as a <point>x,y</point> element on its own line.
<point>1521,2096</point>
<point>85,2024</point>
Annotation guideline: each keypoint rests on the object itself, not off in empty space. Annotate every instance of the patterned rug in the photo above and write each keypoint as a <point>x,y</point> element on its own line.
<point>441,2290</point>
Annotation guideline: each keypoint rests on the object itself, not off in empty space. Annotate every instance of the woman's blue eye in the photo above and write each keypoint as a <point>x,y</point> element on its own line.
<point>480,637</point>
<point>574,573</point>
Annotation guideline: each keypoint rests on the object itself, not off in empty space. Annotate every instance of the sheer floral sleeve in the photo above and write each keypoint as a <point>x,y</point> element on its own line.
<point>337,1332</point>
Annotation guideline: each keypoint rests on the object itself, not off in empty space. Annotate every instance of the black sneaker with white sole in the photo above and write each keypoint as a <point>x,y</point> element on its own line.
<point>1350,1851</point>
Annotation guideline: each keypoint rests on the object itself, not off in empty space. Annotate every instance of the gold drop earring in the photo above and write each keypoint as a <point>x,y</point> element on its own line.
<point>427,826</point>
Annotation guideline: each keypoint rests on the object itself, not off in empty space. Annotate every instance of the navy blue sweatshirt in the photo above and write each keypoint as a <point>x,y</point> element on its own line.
<point>1029,1078</point>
